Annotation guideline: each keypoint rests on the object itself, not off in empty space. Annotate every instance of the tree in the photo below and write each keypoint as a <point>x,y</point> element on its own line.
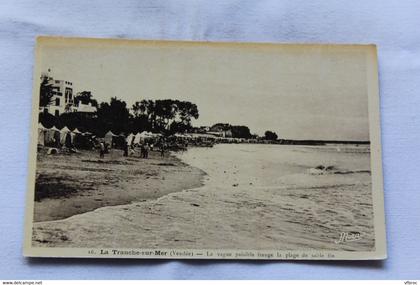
<point>138,109</point>
<point>187,111</point>
<point>162,114</point>
<point>146,108</point>
<point>269,135</point>
<point>237,131</point>
<point>165,111</point>
<point>139,124</point>
<point>48,120</point>
<point>45,93</point>
<point>178,127</point>
<point>85,97</point>
<point>113,116</point>
<point>241,132</point>
<point>83,122</point>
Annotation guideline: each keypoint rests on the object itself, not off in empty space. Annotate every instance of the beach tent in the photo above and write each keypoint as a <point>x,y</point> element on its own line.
<point>144,135</point>
<point>119,141</point>
<point>41,134</point>
<point>180,136</point>
<point>108,138</point>
<point>52,136</point>
<point>130,139</point>
<point>65,136</point>
<point>154,135</point>
<point>136,139</point>
<point>76,137</point>
<point>76,131</point>
<point>83,140</point>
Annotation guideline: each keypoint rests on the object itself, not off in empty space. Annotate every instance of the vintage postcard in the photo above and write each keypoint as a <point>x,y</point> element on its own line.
<point>166,149</point>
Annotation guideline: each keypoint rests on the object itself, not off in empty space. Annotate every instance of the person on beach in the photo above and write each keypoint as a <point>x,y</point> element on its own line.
<point>146,150</point>
<point>125,146</point>
<point>142,150</point>
<point>101,150</point>
<point>162,149</point>
<point>132,151</point>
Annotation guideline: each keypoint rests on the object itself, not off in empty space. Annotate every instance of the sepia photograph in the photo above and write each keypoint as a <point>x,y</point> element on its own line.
<point>168,149</point>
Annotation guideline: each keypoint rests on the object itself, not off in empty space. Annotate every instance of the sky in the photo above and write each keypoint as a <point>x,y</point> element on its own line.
<point>299,92</point>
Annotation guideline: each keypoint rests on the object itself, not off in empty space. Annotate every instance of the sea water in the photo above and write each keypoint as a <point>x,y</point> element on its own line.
<point>262,165</point>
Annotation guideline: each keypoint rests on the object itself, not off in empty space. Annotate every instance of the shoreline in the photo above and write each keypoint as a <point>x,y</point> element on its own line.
<point>112,181</point>
<point>291,211</point>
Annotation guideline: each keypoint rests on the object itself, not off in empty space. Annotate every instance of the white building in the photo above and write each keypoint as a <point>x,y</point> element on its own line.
<point>62,100</point>
<point>83,108</point>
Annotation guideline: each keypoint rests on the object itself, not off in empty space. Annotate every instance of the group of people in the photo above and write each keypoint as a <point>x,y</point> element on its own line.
<point>144,150</point>
<point>130,150</point>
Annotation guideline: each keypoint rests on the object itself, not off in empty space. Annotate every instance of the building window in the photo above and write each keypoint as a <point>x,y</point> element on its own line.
<point>57,113</point>
<point>57,101</point>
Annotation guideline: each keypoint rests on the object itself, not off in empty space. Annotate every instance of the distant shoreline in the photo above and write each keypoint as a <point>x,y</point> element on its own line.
<point>297,142</point>
<point>322,142</point>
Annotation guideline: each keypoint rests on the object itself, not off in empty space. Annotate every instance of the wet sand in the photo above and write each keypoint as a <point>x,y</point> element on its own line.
<point>275,202</point>
<point>70,184</point>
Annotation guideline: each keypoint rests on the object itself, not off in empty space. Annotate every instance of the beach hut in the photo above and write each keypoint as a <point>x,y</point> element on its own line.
<point>76,137</point>
<point>144,135</point>
<point>65,137</point>
<point>52,136</point>
<point>154,135</point>
<point>41,134</point>
<point>83,140</point>
<point>136,140</point>
<point>130,139</point>
<point>118,141</point>
<point>108,138</point>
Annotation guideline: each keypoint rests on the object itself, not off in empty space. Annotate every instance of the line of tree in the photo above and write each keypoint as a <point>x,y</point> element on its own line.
<point>168,114</point>
<point>164,116</point>
<point>236,131</point>
<point>242,131</point>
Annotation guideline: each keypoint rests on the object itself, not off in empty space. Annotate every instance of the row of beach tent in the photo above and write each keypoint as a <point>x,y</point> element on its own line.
<point>65,136</point>
<point>134,139</point>
<point>48,136</point>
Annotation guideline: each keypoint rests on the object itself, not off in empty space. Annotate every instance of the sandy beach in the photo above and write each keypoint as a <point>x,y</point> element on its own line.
<point>253,197</point>
<point>70,184</point>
